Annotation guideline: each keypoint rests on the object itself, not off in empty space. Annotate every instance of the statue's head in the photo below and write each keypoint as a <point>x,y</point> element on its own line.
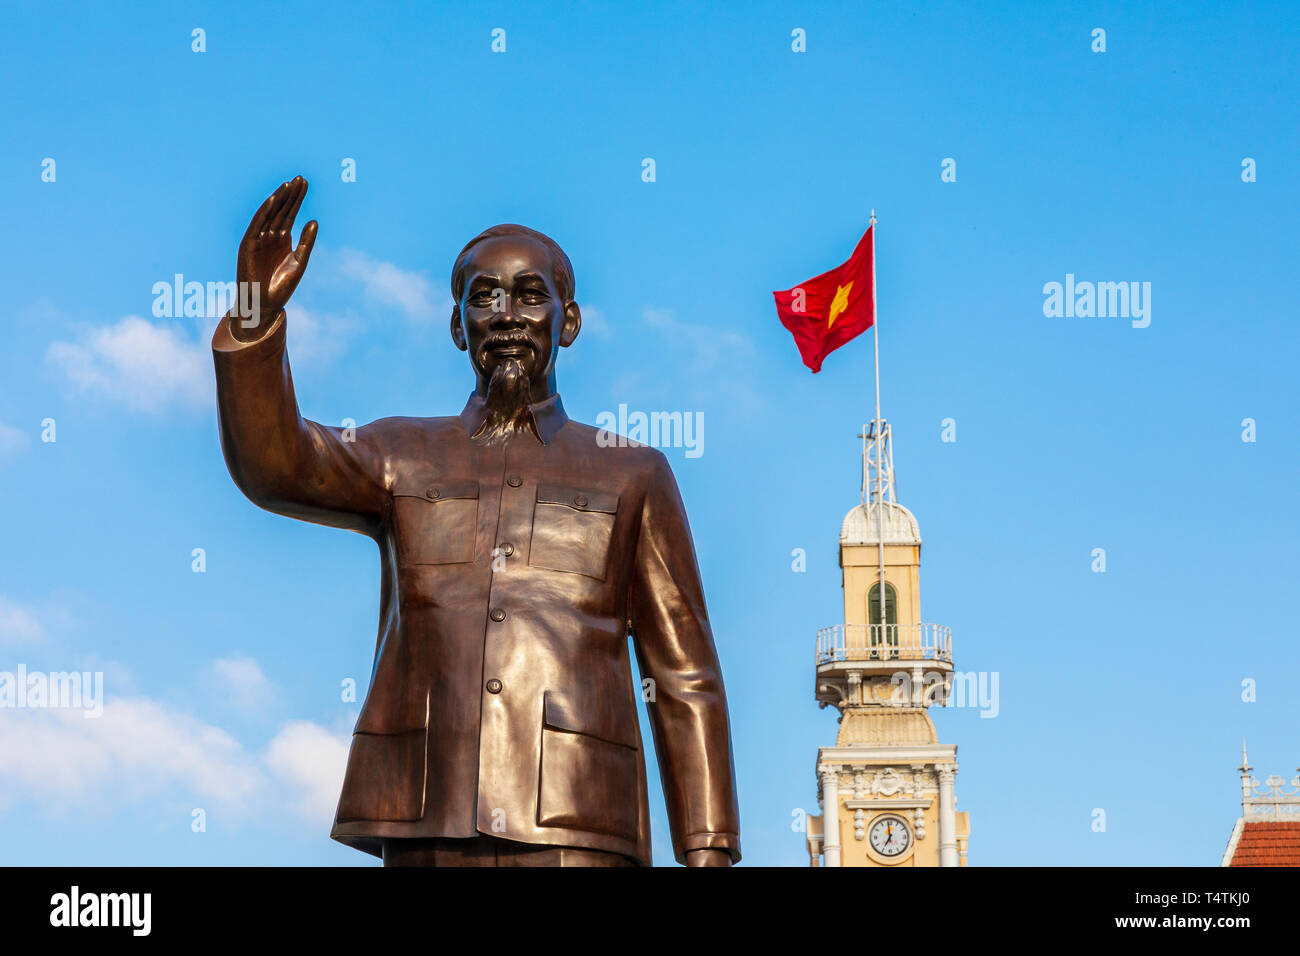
<point>514,310</point>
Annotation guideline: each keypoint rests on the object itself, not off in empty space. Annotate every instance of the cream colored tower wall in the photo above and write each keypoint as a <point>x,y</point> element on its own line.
<point>924,852</point>
<point>853,852</point>
<point>861,566</point>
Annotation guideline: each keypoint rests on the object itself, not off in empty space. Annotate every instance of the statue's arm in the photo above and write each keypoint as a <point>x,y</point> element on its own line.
<point>688,712</point>
<point>280,460</point>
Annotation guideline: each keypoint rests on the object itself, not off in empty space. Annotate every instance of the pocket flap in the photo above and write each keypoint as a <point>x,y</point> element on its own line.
<point>579,499</point>
<point>437,489</point>
<point>559,713</point>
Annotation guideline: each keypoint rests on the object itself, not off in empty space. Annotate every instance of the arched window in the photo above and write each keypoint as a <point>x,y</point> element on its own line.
<point>889,633</point>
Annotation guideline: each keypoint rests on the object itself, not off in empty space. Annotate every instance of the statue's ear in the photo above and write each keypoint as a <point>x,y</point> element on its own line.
<point>457,331</point>
<point>572,324</point>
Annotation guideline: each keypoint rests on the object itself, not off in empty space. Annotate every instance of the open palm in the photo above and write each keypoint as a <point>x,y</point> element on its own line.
<point>267,256</point>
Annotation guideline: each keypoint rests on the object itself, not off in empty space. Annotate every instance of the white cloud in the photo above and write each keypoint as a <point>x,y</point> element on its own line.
<point>12,441</point>
<point>594,322</point>
<point>142,750</point>
<point>703,347</point>
<point>19,624</point>
<point>241,681</point>
<point>316,338</point>
<point>417,297</point>
<point>309,761</point>
<point>62,759</point>
<point>146,367</point>
<point>704,363</point>
<point>155,367</point>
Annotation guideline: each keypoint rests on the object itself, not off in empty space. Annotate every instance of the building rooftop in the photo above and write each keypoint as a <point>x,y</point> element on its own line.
<point>862,525</point>
<point>1268,831</point>
<point>1267,843</point>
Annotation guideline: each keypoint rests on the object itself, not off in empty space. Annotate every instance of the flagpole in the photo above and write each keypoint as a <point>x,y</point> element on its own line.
<point>878,427</point>
<point>875,323</point>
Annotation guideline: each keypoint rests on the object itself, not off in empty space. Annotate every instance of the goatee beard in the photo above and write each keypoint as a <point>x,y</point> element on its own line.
<point>507,404</point>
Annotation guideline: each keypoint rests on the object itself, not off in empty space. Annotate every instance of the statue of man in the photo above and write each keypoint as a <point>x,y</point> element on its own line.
<point>518,553</point>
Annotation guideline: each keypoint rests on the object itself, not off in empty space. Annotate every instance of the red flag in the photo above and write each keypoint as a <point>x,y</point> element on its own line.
<point>824,313</point>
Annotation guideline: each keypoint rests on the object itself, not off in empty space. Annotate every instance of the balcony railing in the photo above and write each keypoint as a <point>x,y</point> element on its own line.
<point>884,642</point>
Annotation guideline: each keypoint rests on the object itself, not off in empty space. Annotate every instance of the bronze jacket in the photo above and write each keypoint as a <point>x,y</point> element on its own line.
<point>503,700</point>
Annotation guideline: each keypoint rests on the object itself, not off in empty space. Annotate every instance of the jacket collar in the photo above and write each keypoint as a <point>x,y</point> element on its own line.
<point>547,416</point>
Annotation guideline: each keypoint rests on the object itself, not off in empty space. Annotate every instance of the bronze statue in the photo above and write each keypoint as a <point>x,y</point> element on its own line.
<point>517,553</point>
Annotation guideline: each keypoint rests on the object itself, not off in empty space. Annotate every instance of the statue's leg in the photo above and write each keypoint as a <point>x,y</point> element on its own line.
<point>519,854</point>
<point>493,851</point>
<point>475,851</point>
<point>574,856</point>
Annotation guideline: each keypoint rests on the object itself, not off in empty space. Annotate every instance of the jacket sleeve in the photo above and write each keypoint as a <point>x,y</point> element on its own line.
<point>281,461</point>
<point>674,647</point>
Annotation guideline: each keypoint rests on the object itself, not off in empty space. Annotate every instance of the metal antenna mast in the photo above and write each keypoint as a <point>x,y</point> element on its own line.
<point>877,456</point>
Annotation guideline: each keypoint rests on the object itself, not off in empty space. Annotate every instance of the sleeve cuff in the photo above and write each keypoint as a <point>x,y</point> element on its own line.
<point>709,841</point>
<point>223,341</point>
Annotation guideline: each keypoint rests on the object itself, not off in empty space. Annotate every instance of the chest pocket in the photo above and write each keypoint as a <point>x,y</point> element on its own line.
<point>572,529</point>
<point>436,523</point>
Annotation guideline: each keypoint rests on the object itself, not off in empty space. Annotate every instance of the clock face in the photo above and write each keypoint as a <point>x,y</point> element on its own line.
<point>890,836</point>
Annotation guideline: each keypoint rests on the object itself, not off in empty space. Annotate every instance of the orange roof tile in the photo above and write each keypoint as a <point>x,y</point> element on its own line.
<point>1268,843</point>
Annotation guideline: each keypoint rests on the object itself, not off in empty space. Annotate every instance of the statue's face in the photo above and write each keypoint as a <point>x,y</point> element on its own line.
<point>511,309</point>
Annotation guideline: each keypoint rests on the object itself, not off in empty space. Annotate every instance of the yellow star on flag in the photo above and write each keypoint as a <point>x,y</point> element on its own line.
<point>839,303</point>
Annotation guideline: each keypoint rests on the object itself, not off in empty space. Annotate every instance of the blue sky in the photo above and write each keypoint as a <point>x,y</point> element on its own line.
<point>1120,691</point>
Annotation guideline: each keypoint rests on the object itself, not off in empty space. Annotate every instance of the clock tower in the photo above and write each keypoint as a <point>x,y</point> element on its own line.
<point>886,786</point>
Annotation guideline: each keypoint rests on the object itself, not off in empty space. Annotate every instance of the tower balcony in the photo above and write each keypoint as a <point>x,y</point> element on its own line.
<point>889,665</point>
<point>858,643</point>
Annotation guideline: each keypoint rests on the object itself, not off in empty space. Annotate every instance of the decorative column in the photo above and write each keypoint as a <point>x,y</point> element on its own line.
<point>831,816</point>
<point>947,816</point>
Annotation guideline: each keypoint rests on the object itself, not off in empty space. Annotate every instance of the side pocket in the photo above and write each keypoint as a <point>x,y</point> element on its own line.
<point>587,782</point>
<point>385,777</point>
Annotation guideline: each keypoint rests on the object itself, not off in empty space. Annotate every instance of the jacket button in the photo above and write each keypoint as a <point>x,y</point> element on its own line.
<point>498,614</point>
<point>432,493</point>
<point>580,500</point>
<point>494,686</point>
<point>507,548</point>
<point>514,481</point>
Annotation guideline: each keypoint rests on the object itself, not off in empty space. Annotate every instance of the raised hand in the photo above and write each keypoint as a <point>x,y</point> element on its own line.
<point>268,258</point>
